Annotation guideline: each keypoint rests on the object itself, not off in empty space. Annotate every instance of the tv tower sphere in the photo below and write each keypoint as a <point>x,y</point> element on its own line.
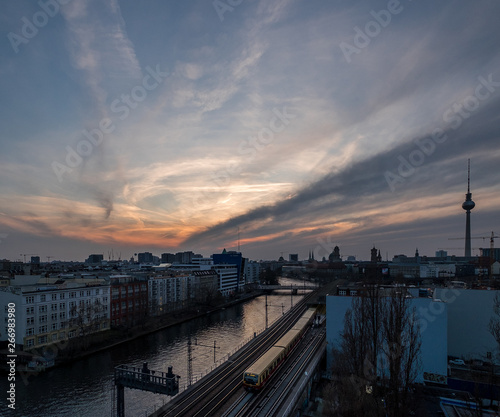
<point>468,204</point>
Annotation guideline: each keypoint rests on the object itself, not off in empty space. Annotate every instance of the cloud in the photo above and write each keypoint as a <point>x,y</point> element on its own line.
<point>102,51</point>
<point>174,170</point>
<point>363,182</point>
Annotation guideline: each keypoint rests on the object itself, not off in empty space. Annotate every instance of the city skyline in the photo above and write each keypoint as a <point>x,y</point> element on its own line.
<point>277,126</point>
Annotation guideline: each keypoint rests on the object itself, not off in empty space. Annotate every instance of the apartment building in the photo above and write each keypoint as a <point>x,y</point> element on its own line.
<point>129,300</point>
<point>46,314</point>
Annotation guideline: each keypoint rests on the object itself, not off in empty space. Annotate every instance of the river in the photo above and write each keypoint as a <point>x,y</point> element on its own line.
<point>85,387</point>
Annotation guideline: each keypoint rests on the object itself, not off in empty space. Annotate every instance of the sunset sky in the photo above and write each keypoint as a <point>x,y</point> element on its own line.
<point>166,126</point>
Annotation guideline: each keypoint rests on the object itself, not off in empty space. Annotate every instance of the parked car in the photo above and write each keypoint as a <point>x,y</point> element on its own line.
<point>456,362</point>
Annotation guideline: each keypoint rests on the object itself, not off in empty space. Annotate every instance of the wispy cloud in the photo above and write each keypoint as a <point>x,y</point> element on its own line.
<point>361,185</point>
<point>175,173</point>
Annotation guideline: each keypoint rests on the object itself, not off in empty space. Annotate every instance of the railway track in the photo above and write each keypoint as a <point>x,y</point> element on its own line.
<point>268,402</point>
<point>215,390</point>
<point>289,379</point>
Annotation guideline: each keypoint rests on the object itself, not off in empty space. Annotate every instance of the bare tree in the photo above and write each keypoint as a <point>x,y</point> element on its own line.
<point>494,324</point>
<point>381,337</point>
<point>494,328</point>
<point>401,347</point>
<point>349,395</point>
<point>87,318</point>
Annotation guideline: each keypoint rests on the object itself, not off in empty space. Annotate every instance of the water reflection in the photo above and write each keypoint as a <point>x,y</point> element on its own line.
<point>85,388</point>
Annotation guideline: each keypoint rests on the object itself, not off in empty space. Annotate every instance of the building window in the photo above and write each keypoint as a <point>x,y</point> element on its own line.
<point>30,331</point>
<point>30,320</point>
<point>30,299</point>
<point>54,337</point>
<point>62,306</point>
<point>62,335</point>
<point>30,342</point>
<point>88,293</point>
<point>42,319</point>
<point>342,292</point>
<point>42,309</point>
<point>42,298</point>
<point>42,339</point>
<point>42,329</point>
<point>72,333</point>
<point>30,310</point>
<point>53,307</point>
<point>61,296</point>
<point>62,315</point>
<point>54,297</point>
<point>54,326</point>
<point>72,294</point>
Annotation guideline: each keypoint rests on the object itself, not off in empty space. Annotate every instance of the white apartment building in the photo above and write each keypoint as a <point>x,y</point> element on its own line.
<point>166,292</point>
<point>437,270</point>
<point>251,272</point>
<point>228,278</point>
<point>49,313</point>
<point>228,274</point>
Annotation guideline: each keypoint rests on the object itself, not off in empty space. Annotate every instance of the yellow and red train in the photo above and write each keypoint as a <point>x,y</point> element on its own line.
<point>256,376</point>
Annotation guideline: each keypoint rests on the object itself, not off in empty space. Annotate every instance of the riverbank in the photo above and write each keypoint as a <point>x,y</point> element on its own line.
<point>66,352</point>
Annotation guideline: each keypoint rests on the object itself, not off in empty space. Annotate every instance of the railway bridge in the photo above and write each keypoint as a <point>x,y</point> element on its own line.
<point>221,393</point>
<point>294,288</point>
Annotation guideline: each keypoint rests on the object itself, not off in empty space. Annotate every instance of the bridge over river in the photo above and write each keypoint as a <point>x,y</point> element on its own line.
<point>311,286</point>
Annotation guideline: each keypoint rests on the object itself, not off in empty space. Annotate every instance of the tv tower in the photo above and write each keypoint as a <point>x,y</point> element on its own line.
<point>468,205</point>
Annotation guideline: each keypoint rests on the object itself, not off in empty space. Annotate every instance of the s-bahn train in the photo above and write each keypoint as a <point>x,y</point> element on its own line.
<point>256,376</point>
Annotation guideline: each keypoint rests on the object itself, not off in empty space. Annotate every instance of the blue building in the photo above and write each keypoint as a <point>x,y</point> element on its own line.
<point>231,258</point>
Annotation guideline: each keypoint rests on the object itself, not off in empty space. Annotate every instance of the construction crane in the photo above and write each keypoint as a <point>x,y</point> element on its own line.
<point>492,245</point>
<point>492,241</point>
<point>460,248</point>
<point>26,254</point>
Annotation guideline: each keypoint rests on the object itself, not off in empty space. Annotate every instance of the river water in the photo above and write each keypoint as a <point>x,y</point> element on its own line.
<point>85,387</point>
